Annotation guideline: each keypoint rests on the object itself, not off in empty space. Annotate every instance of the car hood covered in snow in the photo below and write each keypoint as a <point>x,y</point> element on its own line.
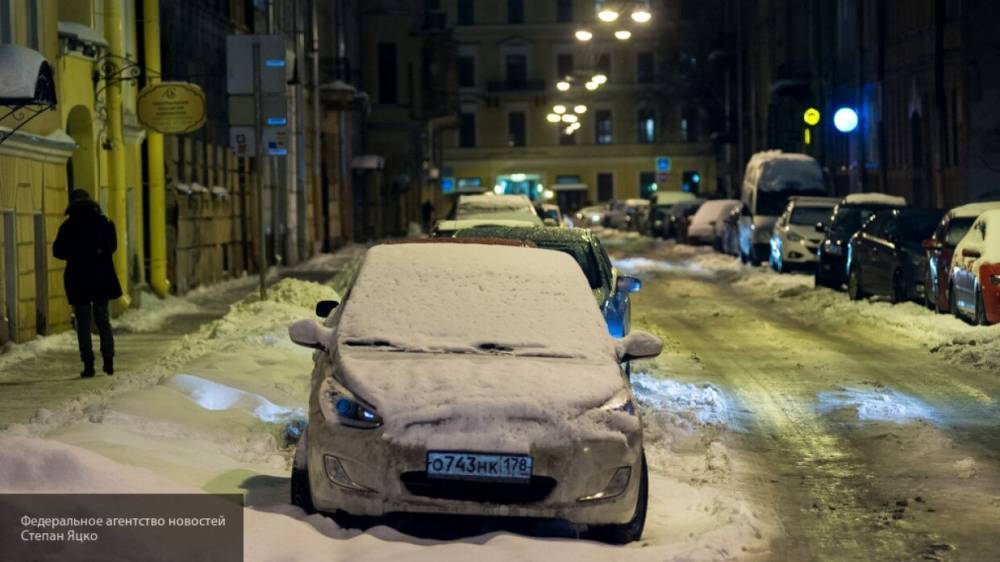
<point>487,402</point>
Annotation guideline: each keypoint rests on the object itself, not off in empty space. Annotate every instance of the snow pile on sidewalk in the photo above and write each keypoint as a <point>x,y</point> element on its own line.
<point>288,301</point>
<point>154,313</point>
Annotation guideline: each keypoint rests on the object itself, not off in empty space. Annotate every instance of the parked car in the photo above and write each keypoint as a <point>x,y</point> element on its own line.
<point>848,217</point>
<point>627,214</point>
<point>551,215</point>
<point>886,257</point>
<point>611,289</point>
<point>591,216</point>
<point>729,243</point>
<point>799,232</point>
<point>447,229</point>
<point>975,272</point>
<point>941,251</point>
<point>706,225</point>
<point>771,178</point>
<point>680,217</point>
<point>470,379</point>
<point>661,205</point>
<point>496,207</point>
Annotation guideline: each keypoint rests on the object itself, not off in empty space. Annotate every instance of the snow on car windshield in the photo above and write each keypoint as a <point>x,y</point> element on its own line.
<point>474,298</point>
<point>476,205</point>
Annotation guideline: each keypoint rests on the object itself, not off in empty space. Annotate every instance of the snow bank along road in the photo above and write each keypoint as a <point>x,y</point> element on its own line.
<point>870,430</point>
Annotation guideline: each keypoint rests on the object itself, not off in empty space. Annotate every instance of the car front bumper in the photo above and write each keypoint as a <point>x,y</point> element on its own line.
<point>392,478</point>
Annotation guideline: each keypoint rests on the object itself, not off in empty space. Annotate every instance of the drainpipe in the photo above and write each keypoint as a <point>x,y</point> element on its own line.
<point>154,155</point>
<point>116,138</point>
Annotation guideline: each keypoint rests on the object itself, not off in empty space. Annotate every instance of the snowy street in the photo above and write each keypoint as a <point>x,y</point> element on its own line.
<point>782,422</point>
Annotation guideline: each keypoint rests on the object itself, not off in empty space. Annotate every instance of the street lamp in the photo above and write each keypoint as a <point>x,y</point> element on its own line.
<point>591,86</point>
<point>845,120</point>
<point>623,35</point>
<point>583,35</point>
<point>563,86</point>
<point>641,16</point>
<point>599,79</point>
<point>560,109</point>
<point>607,15</point>
<point>570,118</point>
<point>580,109</point>
<point>553,118</point>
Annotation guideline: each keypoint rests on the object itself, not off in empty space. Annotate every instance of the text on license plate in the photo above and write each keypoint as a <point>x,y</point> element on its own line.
<point>479,466</point>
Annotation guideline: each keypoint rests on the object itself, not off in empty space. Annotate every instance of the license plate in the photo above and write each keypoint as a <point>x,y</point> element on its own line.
<point>475,466</point>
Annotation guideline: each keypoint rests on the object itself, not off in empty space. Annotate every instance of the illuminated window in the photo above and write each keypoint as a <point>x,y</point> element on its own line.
<point>647,126</point>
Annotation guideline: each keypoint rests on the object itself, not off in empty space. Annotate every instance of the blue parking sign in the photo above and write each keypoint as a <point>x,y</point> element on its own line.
<point>663,164</point>
<point>448,185</point>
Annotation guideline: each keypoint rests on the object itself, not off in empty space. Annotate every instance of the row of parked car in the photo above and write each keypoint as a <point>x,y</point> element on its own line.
<point>871,243</point>
<point>471,373</point>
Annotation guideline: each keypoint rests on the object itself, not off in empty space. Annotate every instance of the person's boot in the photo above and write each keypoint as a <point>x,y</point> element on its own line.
<point>88,369</point>
<point>109,364</point>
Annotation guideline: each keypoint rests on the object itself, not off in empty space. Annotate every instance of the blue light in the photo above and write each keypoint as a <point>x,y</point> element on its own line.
<point>275,63</point>
<point>448,185</point>
<point>663,164</point>
<point>277,151</point>
<point>277,121</point>
<point>347,408</point>
<point>696,178</point>
<point>845,120</point>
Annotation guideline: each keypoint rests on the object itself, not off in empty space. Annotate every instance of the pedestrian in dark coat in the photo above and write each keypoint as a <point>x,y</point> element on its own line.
<point>87,241</point>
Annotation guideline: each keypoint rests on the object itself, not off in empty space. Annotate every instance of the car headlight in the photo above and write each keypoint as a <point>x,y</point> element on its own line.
<point>795,237</point>
<point>355,414</point>
<point>621,402</point>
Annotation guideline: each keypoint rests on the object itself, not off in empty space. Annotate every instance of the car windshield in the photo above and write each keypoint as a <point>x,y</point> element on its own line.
<point>849,219</point>
<point>958,227</point>
<point>809,216</point>
<point>773,203</point>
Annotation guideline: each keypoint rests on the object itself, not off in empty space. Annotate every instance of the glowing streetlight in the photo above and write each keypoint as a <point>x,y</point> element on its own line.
<point>600,79</point>
<point>591,86</point>
<point>498,189</point>
<point>584,35</point>
<point>580,109</point>
<point>552,118</point>
<point>641,16</point>
<point>563,86</point>
<point>845,120</point>
<point>570,118</point>
<point>560,109</point>
<point>623,35</point>
<point>607,15</point>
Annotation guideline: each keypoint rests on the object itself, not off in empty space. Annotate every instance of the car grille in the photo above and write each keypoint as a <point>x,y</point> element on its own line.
<point>536,490</point>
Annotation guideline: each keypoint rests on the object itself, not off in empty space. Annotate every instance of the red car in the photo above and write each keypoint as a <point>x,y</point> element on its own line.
<point>975,272</point>
<point>941,250</point>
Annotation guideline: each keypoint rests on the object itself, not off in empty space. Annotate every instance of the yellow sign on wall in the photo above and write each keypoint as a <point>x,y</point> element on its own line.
<point>172,108</point>
<point>811,117</point>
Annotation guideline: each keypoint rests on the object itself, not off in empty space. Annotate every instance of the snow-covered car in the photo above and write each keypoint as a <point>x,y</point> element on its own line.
<point>680,218</point>
<point>591,216</point>
<point>447,382</point>
<point>611,289</point>
<point>496,207</point>
<point>886,257</point>
<point>975,271</point>
<point>848,217</point>
<point>659,212</point>
<point>551,215</point>
<point>706,224</point>
<point>627,214</point>
<point>447,229</point>
<point>799,232</point>
<point>771,178</point>
<point>941,251</point>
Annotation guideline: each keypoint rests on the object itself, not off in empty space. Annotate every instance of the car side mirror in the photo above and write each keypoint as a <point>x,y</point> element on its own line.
<point>628,284</point>
<point>324,308</point>
<point>971,253</point>
<point>311,334</point>
<point>639,345</point>
<point>550,222</point>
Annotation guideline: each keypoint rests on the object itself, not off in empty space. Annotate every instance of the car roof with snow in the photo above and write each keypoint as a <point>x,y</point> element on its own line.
<point>465,297</point>
<point>671,197</point>
<point>874,199</point>
<point>492,203</point>
<point>973,210</point>
<point>826,202</point>
<point>637,202</point>
<point>775,170</point>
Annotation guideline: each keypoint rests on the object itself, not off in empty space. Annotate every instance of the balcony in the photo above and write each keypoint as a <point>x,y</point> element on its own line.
<point>500,86</point>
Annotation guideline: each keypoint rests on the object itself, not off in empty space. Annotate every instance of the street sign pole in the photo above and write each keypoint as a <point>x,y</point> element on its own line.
<point>258,168</point>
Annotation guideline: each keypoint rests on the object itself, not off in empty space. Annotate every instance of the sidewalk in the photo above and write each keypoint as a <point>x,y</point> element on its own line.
<point>40,382</point>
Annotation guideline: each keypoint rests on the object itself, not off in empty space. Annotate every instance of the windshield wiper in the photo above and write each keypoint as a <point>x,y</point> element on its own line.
<point>373,343</point>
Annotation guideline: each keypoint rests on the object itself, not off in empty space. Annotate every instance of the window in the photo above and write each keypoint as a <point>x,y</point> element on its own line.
<point>467,130</point>
<point>564,11</point>
<point>647,126</point>
<point>517,131</point>
<point>604,127</point>
<point>603,65</point>
<point>466,12</point>
<point>515,11</point>
<point>388,74</point>
<point>605,187</point>
<point>647,184</point>
<point>34,25</point>
<point>517,70</point>
<point>645,70</point>
<point>6,22</point>
<point>564,65</point>
<point>466,71</point>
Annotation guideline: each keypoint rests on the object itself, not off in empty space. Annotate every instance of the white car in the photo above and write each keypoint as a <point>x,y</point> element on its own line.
<point>591,216</point>
<point>473,379</point>
<point>797,235</point>
<point>552,215</point>
<point>628,214</point>
<point>496,207</point>
<point>975,272</point>
<point>707,224</point>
